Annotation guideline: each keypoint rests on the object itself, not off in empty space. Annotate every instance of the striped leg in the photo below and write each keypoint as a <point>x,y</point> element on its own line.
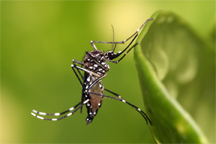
<point>123,100</point>
<point>126,52</point>
<point>75,108</point>
<point>74,66</point>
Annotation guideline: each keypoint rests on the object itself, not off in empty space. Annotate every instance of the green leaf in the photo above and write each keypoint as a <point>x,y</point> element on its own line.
<point>171,63</point>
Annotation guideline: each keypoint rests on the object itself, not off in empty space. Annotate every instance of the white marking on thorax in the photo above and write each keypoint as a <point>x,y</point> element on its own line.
<point>88,79</point>
<point>95,65</point>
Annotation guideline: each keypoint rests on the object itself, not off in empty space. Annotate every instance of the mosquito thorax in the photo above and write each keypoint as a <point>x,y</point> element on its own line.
<point>96,62</point>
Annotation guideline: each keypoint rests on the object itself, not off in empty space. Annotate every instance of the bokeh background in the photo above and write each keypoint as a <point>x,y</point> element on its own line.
<point>38,42</point>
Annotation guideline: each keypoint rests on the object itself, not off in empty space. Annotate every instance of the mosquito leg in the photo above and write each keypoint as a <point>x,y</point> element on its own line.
<point>56,114</point>
<point>83,69</point>
<point>76,74</point>
<point>115,94</point>
<point>78,62</point>
<point>56,119</point>
<point>123,100</point>
<point>75,61</point>
<point>127,52</point>
<point>75,66</point>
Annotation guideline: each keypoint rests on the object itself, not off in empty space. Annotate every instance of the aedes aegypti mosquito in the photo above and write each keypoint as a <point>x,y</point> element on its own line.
<point>95,69</point>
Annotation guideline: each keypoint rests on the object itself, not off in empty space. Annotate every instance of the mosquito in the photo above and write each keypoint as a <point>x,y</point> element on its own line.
<point>95,68</point>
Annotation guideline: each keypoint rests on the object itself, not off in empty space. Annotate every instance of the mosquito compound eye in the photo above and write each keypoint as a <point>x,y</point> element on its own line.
<point>95,65</point>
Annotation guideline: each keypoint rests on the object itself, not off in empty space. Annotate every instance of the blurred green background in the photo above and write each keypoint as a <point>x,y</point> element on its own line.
<point>39,40</point>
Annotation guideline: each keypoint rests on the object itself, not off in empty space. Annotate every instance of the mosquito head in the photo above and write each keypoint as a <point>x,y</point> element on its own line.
<point>110,55</point>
